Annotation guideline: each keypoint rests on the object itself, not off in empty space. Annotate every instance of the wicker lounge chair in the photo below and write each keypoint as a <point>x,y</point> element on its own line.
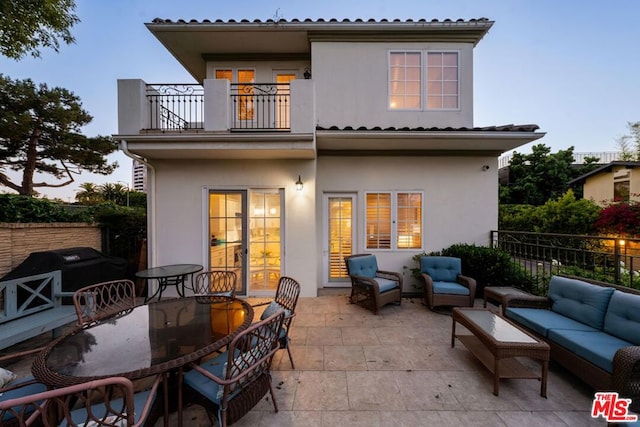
<point>444,284</point>
<point>372,288</point>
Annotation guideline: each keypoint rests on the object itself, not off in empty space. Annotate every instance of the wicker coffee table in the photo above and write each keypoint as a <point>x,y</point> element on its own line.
<point>497,342</point>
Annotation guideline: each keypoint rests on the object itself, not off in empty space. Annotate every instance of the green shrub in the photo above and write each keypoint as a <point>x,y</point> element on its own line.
<point>24,209</point>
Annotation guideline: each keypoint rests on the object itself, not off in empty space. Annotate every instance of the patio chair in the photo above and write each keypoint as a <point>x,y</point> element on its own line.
<point>216,283</point>
<point>232,383</point>
<point>13,387</point>
<point>372,288</point>
<point>286,298</point>
<point>444,284</point>
<point>104,402</point>
<point>95,302</point>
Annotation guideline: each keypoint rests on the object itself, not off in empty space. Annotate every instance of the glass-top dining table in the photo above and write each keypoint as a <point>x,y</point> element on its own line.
<point>146,340</point>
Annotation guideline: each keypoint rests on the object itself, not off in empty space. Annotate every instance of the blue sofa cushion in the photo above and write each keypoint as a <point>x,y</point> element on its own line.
<point>597,347</point>
<point>386,284</point>
<point>623,317</point>
<point>441,268</point>
<point>99,411</point>
<point>541,321</point>
<point>366,266</point>
<point>580,300</point>
<point>450,288</point>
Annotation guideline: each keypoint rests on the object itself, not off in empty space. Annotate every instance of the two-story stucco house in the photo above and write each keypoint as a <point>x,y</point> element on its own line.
<point>306,141</point>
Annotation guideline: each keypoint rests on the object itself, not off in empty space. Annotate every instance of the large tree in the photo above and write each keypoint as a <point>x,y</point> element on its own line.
<point>27,25</point>
<point>540,176</point>
<point>40,133</point>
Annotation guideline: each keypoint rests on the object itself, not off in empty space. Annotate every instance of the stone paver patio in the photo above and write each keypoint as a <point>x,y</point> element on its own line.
<point>354,368</point>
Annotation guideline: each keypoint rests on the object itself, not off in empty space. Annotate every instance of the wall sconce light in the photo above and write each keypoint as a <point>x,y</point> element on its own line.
<point>485,168</point>
<point>307,73</point>
<point>299,184</point>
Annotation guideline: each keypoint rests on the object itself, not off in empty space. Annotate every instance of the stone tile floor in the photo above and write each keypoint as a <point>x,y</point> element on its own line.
<point>398,369</point>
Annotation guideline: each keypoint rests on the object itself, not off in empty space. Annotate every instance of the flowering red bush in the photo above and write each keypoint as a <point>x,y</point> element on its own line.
<point>622,219</point>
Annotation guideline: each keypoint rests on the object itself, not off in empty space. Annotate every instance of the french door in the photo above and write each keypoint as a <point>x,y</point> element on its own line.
<point>227,234</point>
<point>339,237</point>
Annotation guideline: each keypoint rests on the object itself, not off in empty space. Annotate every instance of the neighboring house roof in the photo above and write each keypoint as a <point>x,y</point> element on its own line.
<point>604,168</point>
<point>193,42</point>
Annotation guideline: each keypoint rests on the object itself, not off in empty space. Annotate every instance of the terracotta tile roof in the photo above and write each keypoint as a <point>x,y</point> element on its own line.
<point>503,128</point>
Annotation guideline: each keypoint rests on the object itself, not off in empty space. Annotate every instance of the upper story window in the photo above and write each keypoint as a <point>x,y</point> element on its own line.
<point>393,220</point>
<point>440,71</point>
<point>244,99</point>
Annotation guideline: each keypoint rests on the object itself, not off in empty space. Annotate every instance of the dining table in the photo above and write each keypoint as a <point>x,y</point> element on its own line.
<point>168,275</point>
<point>147,340</point>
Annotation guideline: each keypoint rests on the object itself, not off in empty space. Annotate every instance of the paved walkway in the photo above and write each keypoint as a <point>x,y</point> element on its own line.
<point>398,369</point>
<point>354,368</point>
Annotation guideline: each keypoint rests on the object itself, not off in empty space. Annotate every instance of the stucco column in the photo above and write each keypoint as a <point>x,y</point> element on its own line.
<point>303,112</point>
<point>132,106</point>
<point>217,97</point>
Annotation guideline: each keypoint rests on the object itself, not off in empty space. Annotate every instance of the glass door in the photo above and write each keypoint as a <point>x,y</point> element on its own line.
<point>338,237</point>
<point>227,235</point>
<point>265,240</point>
<point>282,102</point>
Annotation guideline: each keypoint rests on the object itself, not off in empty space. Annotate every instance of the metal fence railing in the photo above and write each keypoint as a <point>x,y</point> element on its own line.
<point>261,106</point>
<point>175,107</point>
<point>609,259</point>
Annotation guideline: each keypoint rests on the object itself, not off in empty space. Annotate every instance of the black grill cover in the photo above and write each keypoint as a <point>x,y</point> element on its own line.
<point>80,267</point>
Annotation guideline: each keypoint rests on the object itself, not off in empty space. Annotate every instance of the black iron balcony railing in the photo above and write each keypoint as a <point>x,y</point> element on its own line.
<point>610,259</point>
<point>175,107</point>
<point>261,106</point>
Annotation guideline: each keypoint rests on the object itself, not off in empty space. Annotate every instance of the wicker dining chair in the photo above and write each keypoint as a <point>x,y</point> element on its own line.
<point>286,298</point>
<point>232,383</point>
<point>104,402</point>
<point>95,302</point>
<point>16,386</point>
<point>216,283</point>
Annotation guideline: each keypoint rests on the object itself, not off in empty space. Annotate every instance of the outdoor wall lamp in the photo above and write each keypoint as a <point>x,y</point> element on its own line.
<point>485,168</point>
<point>299,184</point>
<point>307,73</point>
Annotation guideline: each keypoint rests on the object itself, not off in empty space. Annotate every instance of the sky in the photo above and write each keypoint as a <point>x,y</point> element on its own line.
<point>572,68</point>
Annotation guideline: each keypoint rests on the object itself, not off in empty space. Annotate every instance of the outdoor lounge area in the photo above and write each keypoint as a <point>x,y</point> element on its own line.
<point>396,368</point>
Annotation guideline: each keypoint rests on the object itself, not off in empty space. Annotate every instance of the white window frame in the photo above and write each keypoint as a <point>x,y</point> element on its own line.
<point>424,79</point>
<point>394,220</point>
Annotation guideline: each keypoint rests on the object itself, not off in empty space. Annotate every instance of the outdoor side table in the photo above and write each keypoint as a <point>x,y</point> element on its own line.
<point>498,294</point>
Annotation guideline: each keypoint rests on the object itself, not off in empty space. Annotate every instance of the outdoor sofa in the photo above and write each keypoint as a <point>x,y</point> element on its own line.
<point>593,330</point>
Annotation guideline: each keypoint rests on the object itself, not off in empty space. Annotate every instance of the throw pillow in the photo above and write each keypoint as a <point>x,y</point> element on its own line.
<point>272,309</point>
<point>6,377</point>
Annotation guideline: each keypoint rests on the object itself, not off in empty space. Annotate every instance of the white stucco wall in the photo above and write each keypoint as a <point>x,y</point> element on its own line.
<point>354,82</point>
<point>460,203</point>
<point>181,201</point>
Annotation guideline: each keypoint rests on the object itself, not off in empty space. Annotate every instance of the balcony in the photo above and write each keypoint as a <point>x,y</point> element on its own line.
<point>217,119</point>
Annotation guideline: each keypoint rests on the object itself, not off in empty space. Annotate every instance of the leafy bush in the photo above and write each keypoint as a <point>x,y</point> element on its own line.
<point>23,209</point>
<point>565,215</point>
<point>622,219</point>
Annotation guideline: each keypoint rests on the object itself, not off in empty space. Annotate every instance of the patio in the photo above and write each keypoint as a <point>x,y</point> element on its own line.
<point>398,369</point>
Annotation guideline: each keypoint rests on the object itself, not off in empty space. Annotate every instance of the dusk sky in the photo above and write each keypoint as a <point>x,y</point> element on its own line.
<point>573,68</point>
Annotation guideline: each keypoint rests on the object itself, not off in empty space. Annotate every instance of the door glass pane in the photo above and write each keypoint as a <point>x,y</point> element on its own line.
<point>282,105</point>
<point>264,239</point>
<point>340,236</point>
<point>225,233</point>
